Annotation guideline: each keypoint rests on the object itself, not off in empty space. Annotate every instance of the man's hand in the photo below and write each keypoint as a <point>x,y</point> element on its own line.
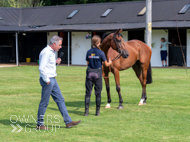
<point>58,61</point>
<point>48,83</point>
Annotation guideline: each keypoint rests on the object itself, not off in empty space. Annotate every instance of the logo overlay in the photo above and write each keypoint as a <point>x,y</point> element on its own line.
<point>27,123</point>
<point>93,56</point>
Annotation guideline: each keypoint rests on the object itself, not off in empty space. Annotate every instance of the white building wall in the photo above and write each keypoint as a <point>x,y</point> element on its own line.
<point>79,46</point>
<point>156,36</point>
<point>125,35</point>
<point>188,48</point>
<point>49,36</point>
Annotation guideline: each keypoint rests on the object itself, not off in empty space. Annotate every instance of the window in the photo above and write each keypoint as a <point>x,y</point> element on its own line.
<point>72,14</point>
<point>184,9</point>
<point>1,18</point>
<point>142,12</point>
<point>105,14</point>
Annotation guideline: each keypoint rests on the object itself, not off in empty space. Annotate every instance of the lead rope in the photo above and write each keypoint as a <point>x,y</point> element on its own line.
<point>179,37</point>
<point>116,58</point>
<point>108,73</point>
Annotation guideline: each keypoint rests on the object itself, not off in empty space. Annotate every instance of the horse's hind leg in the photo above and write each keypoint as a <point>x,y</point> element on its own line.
<point>141,74</point>
<point>144,77</point>
<point>106,79</point>
<point>117,81</point>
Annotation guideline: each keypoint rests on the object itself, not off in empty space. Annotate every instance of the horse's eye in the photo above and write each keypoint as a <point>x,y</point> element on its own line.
<point>118,40</point>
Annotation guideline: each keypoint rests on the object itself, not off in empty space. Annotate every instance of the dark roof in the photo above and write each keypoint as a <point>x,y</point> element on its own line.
<point>10,16</point>
<point>123,15</point>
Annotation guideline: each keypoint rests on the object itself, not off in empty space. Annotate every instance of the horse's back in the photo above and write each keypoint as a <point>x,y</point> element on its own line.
<point>139,44</point>
<point>142,48</point>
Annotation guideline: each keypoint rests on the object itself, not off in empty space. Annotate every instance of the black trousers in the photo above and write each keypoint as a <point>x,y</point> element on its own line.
<point>93,77</point>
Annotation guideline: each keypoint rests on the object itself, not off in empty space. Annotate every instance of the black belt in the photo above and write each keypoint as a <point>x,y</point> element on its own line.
<point>93,68</point>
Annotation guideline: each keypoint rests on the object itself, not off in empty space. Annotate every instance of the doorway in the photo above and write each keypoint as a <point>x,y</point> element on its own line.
<point>30,45</point>
<point>64,49</point>
<point>7,48</point>
<point>136,35</point>
<point>176,51</point>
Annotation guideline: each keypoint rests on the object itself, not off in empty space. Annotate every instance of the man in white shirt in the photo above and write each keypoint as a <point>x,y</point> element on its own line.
<point>47,68</point>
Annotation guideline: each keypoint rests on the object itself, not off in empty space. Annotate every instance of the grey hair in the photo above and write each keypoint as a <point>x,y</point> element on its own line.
<point>55,39</point>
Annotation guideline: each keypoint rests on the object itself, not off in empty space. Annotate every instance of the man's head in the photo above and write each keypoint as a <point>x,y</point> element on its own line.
<point>96,41</point>
<point>56,43</point>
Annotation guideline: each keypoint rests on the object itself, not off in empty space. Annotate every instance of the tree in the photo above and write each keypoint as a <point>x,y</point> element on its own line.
<point>35,3</point>
<point>21,3</point>
<point>62,2</point>
<point>4,3</point>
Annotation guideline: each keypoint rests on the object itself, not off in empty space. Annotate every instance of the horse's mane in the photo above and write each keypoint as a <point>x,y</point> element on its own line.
<point>106,34</point>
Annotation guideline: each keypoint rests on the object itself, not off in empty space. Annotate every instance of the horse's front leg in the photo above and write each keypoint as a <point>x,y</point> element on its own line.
<point>117,80</point>
<point>106,79</point>
<point>108,92</point>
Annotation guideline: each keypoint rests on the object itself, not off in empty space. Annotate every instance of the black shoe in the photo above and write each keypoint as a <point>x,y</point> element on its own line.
<point>86,113</point>
<point>98,112</point>
<point>87,103</point>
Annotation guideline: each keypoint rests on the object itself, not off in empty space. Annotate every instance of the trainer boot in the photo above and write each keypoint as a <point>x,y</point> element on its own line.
<point>98,103</point>
<point>87,102</point>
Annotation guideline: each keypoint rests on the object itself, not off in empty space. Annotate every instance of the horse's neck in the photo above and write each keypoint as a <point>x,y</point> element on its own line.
<point>105,48</point>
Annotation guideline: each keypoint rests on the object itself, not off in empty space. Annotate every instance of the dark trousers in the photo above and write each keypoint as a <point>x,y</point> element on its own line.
<point>53,90</point>
<point>163,54</point>
<point>93,77</point>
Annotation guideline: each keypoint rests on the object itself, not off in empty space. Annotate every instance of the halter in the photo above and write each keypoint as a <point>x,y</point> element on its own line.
<point>118,56</point>
<point>119,50</point>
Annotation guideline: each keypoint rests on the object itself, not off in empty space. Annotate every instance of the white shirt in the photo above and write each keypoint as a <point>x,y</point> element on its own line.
<point>47,63</point>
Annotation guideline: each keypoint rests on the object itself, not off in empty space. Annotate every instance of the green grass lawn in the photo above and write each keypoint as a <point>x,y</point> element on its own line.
<point>166,117</point>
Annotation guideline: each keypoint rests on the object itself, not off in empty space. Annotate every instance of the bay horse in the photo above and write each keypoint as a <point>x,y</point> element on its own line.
<point>133,53</point>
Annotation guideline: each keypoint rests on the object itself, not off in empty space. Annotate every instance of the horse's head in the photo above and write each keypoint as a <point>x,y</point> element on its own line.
<point>115,40</point>
<point>118,43</point>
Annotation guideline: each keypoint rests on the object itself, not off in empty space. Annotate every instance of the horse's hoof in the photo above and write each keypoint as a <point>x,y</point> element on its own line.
<point>120,107</point>
<point>141,104</point>
<point>107,106</point>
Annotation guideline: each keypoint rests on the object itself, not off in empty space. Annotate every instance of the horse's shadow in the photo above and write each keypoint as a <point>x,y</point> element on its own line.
<point>78,105</point>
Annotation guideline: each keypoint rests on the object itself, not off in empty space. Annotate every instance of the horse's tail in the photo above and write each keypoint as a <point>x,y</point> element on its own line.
<point>149,75</point>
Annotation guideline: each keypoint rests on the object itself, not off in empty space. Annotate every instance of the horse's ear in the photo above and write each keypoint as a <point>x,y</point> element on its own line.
<point>118,31</point>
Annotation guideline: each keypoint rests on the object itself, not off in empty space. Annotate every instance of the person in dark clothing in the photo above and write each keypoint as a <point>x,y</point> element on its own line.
<point>94,57</point>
